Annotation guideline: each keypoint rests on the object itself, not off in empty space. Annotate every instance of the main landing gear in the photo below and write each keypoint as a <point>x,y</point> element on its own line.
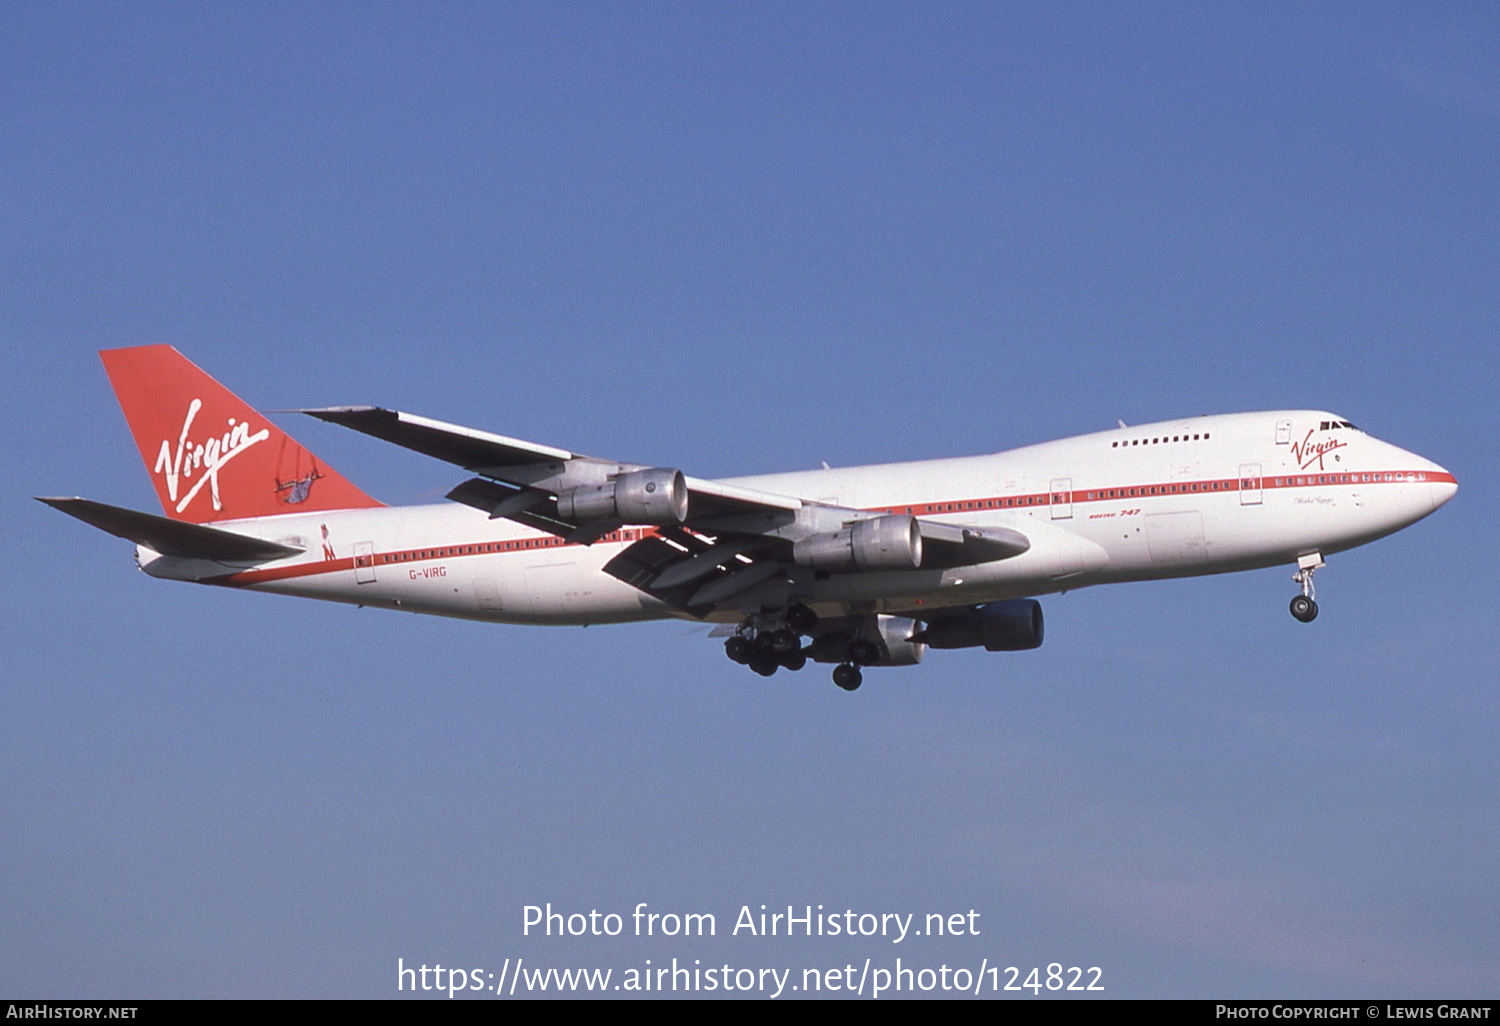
<point>766,649</point>
<point>767,645</point>
<point>1305,606</point>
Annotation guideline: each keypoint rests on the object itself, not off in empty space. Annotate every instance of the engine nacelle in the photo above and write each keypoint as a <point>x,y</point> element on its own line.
<point>891,645</point>
<point>892,542</point>
<point>658,496</point>
<point>1009,626</point>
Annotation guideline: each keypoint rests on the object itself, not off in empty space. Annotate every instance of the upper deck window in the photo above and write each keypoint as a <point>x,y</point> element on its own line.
<point>1125,443</point>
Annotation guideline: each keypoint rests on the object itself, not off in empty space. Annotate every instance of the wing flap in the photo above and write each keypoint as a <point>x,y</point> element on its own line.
<point>734,582</point>
<point>695,568</point>
<point>639,564</point>
<point>518,504</point>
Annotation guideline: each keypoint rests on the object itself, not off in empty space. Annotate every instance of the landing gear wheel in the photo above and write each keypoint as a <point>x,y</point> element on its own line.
<point>1305,606</point>
<point>795,661</point>
<point>801,619</point>
<point>862,651</point>
<point>739,649</point>
<point>782,642</point>
<point>847,677</point>
<point>764,663</point>
<point>1304,609</point>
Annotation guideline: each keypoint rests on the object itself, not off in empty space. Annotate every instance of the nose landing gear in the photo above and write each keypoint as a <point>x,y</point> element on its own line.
<point>847,676</point>
<point>1305,606</point>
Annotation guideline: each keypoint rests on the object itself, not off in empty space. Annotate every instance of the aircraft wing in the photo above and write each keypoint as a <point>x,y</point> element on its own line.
<point>530,466</point>
<point>719,542</point>
<point>473,450</point>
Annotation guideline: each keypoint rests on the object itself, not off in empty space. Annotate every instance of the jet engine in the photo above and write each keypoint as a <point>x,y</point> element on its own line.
<point>892,542</point>
<point>890,644</point>
<point>1008,626</point>
<point>657,496</point>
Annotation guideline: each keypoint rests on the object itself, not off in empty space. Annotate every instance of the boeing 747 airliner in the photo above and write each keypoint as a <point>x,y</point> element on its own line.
<point>854,566</point>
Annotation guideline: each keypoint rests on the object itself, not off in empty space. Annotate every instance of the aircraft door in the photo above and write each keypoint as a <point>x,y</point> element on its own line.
<point>1061,498</point>
<point>1250,484</point>
<point>364,562</point>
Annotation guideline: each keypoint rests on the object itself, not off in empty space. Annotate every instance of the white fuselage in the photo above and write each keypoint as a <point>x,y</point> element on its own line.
<point>1197,496</point>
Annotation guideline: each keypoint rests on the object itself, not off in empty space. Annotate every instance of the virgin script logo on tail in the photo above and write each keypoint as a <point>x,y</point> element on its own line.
<point>207,457</point>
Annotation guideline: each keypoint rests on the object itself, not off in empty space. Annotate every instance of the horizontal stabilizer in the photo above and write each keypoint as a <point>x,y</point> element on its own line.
<point>173,537</point>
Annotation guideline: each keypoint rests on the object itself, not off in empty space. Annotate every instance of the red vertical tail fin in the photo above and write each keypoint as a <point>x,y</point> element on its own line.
<point>210,454</point>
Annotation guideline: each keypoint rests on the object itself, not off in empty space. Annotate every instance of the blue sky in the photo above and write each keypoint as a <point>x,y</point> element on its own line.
<point>739,239</point>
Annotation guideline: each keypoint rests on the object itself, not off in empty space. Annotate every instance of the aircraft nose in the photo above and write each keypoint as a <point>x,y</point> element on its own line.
<point>1441,485</point>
